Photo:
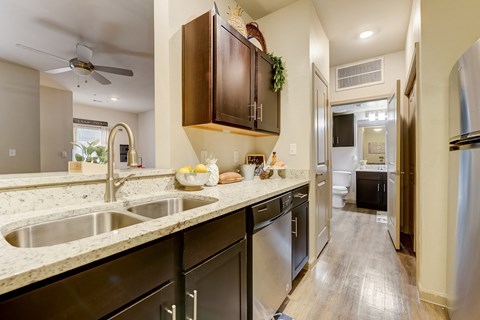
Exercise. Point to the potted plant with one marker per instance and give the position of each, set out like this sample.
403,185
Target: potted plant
279,72
92,158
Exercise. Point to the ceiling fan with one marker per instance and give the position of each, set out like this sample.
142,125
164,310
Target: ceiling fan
81,64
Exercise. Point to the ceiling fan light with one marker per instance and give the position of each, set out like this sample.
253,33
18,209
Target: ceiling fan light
81,71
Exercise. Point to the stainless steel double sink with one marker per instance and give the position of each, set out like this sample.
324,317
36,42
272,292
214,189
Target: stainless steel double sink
87,225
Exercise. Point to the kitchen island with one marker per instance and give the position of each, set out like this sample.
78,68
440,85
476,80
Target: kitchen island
20,267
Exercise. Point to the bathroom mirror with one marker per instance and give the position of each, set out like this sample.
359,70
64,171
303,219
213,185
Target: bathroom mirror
373,144
37,108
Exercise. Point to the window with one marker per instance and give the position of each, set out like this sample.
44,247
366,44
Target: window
83,134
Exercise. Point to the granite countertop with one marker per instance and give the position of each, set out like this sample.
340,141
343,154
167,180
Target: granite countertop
22,266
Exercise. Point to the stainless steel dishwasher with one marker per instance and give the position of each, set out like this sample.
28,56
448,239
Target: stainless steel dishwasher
270,255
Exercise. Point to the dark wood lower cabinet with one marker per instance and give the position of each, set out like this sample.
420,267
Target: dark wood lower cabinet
299,238
99,290
219,286
159,305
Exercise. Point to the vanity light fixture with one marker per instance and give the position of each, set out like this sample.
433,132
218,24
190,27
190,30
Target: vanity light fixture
381,115
377,129
366,34
371,116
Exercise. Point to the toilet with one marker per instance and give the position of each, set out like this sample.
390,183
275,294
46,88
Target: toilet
341,182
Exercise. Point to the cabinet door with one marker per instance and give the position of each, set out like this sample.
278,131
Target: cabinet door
383,203
368,194
234,77
218,287
343,131
299,238
159,305
268,101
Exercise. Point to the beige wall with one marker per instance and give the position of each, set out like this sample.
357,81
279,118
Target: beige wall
296,94
394,64
19,119
307,43
56,133
112,117
146,138
175,145
441,44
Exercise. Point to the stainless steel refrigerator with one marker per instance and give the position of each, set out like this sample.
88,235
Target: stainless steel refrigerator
463,245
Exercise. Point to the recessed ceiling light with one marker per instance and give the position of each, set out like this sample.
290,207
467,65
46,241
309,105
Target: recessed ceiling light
366,34
114,99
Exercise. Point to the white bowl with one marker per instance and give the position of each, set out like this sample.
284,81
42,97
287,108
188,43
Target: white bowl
192,180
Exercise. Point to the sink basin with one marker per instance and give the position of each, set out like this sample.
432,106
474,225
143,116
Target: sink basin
69,229
167,207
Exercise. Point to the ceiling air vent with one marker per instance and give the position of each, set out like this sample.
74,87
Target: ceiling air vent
359,74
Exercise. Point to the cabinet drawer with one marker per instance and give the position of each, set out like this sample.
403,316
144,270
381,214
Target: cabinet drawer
365,175
300,195
210,238
98,291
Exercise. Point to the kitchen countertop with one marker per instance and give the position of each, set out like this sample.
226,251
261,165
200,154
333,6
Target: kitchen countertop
22,266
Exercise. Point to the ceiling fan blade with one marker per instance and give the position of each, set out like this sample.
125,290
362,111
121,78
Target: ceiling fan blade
119,71
84,53
58,70
41,52
97,76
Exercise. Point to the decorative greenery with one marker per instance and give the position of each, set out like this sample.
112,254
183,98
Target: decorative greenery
279,72
91,152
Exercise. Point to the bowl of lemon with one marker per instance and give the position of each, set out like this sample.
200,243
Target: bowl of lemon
193,178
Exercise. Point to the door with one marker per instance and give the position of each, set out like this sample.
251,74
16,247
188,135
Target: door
234,77
394,166
322,189
217,288
411,162
268,101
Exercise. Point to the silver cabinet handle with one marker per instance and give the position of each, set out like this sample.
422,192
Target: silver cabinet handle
300,195
384,186
173,312
337,140
296,227
378,186
194,297
253,112
321,184
261,113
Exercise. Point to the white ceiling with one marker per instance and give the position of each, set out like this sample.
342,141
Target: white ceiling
120,32
343,20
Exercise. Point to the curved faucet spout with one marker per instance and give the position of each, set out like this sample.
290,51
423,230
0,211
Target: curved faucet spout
111,187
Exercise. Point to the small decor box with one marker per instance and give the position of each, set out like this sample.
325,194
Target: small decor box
87,167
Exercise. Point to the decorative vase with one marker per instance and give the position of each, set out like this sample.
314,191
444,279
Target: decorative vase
236,20
214,172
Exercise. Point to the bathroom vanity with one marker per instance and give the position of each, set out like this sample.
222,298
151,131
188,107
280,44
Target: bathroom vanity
372,189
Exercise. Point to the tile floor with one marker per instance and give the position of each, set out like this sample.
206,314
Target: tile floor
359,275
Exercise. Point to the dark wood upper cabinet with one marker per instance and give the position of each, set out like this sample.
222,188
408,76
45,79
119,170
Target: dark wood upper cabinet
267,100
234,78
227,85
343,131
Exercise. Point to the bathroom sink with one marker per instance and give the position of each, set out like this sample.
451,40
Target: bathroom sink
169,206
69,229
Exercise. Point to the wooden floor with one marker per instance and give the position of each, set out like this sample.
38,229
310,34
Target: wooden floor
359,275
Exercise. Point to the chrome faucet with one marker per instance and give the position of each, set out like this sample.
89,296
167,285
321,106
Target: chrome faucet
112,186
